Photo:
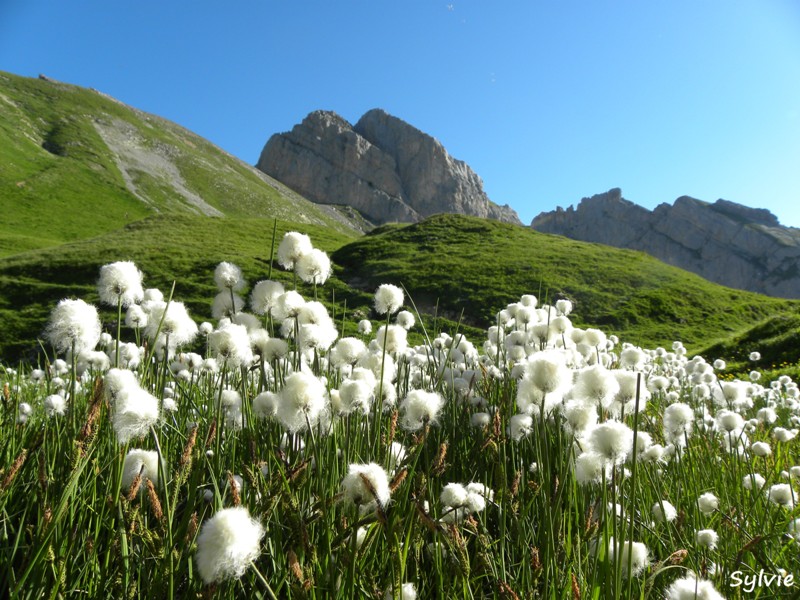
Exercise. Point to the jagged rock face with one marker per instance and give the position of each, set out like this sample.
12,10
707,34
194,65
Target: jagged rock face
383,167
724,242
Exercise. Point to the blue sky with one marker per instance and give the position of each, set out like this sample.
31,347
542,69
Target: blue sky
548,101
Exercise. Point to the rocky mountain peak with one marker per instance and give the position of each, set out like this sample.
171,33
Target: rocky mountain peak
383,167
725,242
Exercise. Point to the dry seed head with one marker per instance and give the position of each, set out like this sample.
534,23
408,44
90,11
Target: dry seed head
186,457
536,562
234,486
294,566
506,591
576,590
515,484
133,491
677,557
212,433
398,479
191,530
155,503
13,470
439,464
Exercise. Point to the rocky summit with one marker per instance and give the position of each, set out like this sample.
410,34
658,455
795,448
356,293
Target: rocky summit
725,242
383,167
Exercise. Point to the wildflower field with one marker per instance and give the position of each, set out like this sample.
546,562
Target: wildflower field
291,449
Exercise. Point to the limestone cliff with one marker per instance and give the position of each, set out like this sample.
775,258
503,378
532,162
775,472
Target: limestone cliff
724,242
382,166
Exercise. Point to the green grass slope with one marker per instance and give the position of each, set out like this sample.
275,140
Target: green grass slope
477,266
77,163
183,249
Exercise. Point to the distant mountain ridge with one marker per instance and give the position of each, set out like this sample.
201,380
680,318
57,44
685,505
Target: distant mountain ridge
383,167
725,242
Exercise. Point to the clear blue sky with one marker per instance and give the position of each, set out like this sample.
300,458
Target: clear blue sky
548,101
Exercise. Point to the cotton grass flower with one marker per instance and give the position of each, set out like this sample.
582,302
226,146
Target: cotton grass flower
302,399
366,483
664,512
420,407
314,267
135,411
171,322
707,503
706,538
227,543
228,276
754,481
405,319
782,494
231,346
264,295
120,283
692,588
292,247
407,592
635,553
388,299
55,405
73,326
613,440
144,462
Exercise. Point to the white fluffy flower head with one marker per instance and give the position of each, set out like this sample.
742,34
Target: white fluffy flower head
388,299
120,282
228,542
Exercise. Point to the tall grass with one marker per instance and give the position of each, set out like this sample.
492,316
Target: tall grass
69,529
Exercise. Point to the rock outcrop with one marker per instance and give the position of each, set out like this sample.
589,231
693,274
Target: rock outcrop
724,242
382,166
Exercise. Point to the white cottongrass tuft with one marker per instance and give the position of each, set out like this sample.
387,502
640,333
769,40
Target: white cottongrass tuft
707,503
366,483
405,319
293,246
135,411
73,326
55,404
407,592
228,276
613,440
365,327
388,299
302,399
120,282
139,461
264,295
547,370
664,512
678,422
782,494
707,538
228,542
754,481
634,552
760,449
231,345
691,588
170,322
520,426
314,267
420,407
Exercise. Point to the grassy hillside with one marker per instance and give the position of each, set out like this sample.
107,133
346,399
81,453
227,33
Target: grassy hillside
449,264
77,163
180,248
478,266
